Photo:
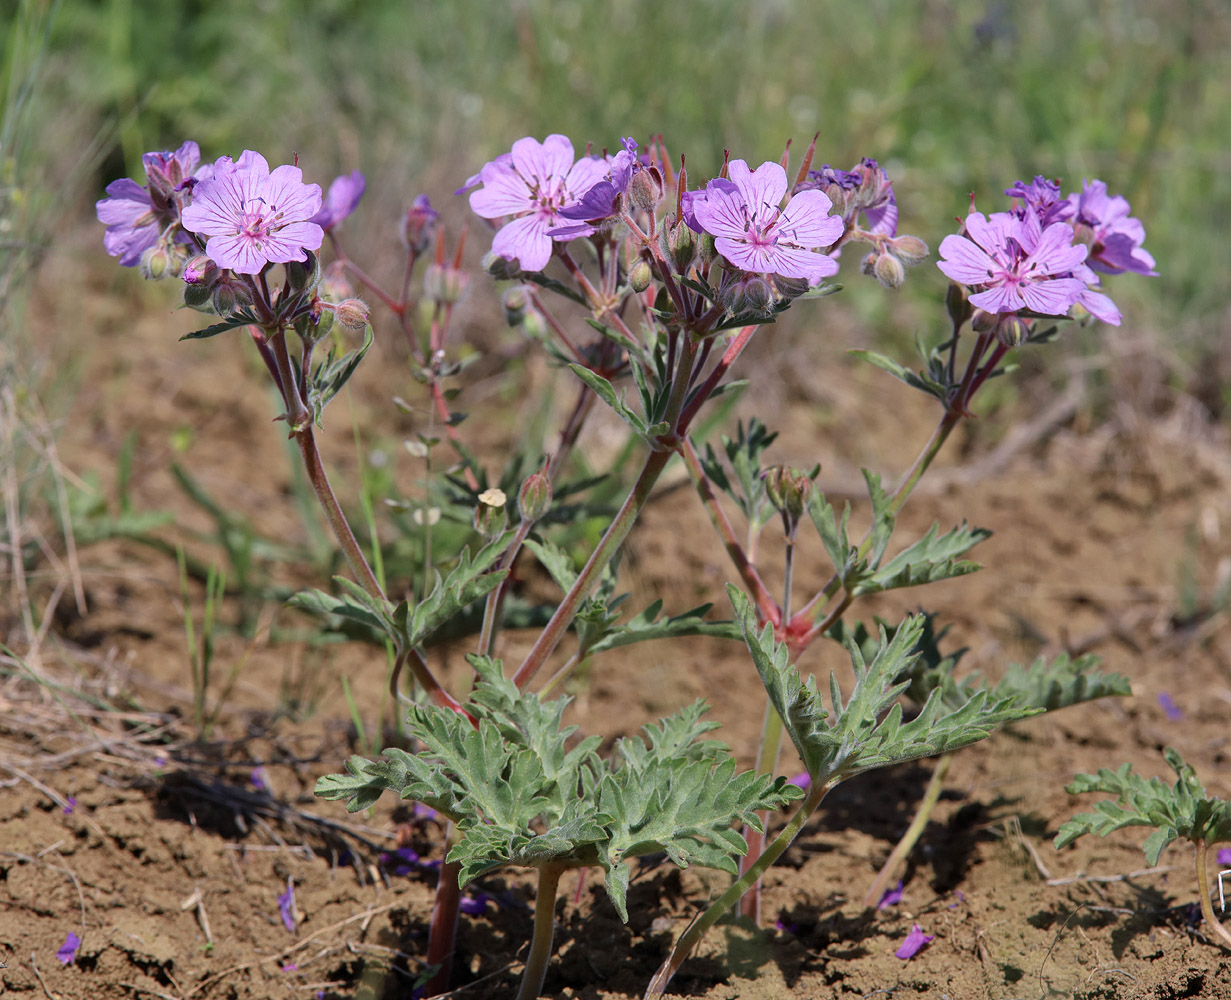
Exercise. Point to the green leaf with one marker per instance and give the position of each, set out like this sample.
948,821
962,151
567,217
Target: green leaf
557,562
237,320
471,579
647,625
331,375
606,392
930,559
1184,809
348,606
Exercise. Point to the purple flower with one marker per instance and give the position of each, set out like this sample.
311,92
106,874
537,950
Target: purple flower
891,897
914,942
257,778
419,225
69,805
600,201
286,906
253,217
784,924
1042,197
1115,237
1015,264
68,950
474,906
530,185
864,188
755,234
801,780
290,967
1169,706
1224,856
403,861
343,195
136,217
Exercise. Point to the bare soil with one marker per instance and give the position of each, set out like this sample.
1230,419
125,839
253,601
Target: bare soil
170,864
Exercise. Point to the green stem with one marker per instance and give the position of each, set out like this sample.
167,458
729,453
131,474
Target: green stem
913,832
691,937
1203,889
767,763
544,929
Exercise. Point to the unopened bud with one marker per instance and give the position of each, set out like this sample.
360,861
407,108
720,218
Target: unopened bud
444,283
983,321
908,249
750,294
155,262
198,297
499,268
888,270
788,489
790,288
200,270
490,516
301,274
419,225
534,497
681,246
957,304
645,190
516,302
1012,330
706,250
224,299
640,275
352,313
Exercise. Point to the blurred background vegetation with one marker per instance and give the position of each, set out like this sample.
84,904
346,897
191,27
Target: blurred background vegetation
953,97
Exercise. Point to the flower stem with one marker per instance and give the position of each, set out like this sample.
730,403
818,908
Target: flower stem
544,930
443,933
913,832
1203,891
691,937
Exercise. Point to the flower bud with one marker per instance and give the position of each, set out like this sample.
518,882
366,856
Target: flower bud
352,313
640,275
200,270
788,490
499,268
1012,330
983,321
490,516
516,303
752,293
681,246
888,270
645,190
301,274
155,262
706,249
957,305
790,288
444,283
224,299
909,250
534,497
419,225
198,297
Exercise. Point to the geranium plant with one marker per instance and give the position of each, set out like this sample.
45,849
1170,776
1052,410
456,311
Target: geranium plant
649,289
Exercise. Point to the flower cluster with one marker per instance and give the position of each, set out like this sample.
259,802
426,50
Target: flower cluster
1041,256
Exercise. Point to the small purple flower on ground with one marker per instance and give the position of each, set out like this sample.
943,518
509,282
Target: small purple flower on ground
784,924
70,804
1223,856
290,967
253,217
474,905
1114,235
403,861
1170,707
530,185
754,234
1015,265
961,898
913,944
257,778
135,216
286,906
340,200
891,897
68,950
